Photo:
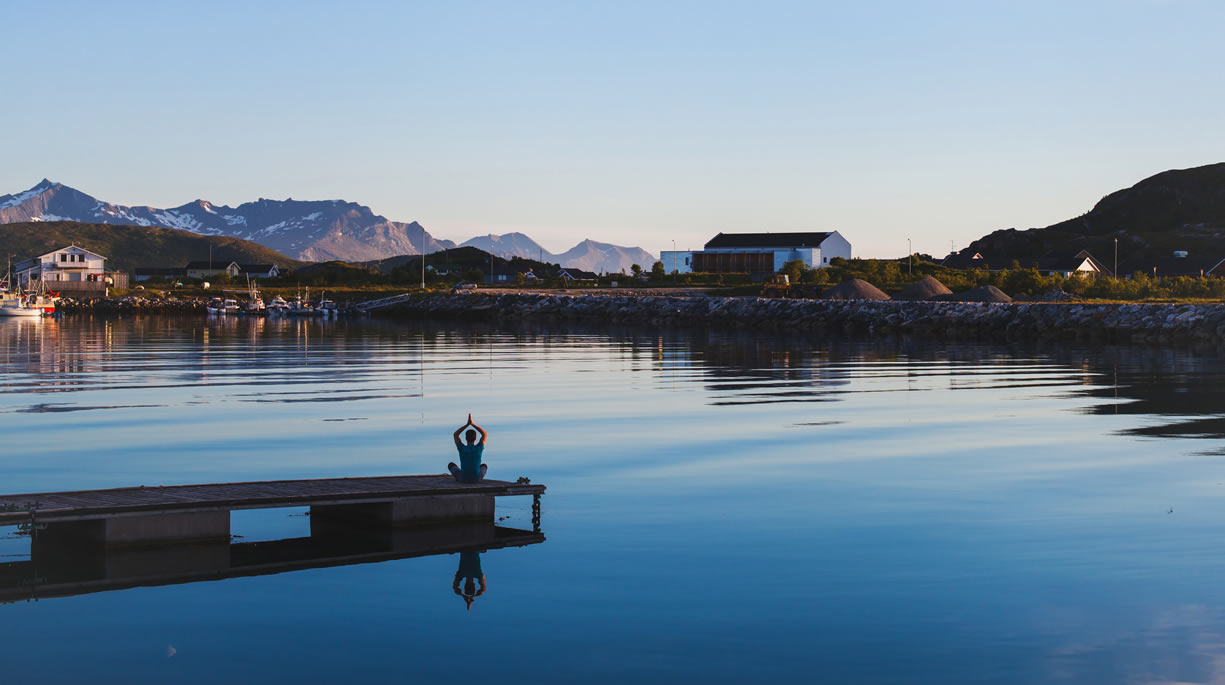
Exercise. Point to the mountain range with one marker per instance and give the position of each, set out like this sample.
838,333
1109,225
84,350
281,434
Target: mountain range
587,255
313,230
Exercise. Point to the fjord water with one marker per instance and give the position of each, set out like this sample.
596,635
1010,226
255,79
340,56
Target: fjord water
722,506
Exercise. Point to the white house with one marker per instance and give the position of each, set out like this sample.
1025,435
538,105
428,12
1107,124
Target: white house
68,265
758,252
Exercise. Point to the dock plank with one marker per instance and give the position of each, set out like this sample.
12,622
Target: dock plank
84,504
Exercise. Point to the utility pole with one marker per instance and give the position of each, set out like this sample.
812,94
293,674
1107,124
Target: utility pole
423,259
1116,256
909,258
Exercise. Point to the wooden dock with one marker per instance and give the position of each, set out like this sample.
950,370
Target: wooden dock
80,505
194,513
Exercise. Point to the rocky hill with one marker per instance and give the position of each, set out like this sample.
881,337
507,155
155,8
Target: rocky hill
1182,209
128,247
305,230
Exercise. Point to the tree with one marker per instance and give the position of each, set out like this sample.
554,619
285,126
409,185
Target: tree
636,270
474,275
657,270
794,269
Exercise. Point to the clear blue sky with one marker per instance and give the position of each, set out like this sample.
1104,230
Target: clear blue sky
630,122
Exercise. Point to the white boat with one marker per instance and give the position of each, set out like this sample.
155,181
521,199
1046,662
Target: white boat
217,306
299,306
40,301
326,307
278,306
19,305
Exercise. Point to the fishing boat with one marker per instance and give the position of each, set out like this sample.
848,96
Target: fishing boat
37,302
300,306
326,307
255,303
12,304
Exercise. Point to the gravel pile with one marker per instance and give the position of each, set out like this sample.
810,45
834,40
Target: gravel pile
926,289
854,289
983,293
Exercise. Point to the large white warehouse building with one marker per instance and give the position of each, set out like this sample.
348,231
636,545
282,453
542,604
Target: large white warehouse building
757,253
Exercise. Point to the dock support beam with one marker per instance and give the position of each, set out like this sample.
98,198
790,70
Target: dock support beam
409,511
154,529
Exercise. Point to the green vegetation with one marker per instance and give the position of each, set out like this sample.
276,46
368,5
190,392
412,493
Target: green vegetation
890,276
129,247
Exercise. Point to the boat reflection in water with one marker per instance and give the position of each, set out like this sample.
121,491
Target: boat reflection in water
63,563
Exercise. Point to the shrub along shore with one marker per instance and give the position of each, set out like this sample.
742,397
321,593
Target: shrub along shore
1076,321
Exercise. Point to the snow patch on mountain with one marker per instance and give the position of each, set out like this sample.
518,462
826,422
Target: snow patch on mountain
14,200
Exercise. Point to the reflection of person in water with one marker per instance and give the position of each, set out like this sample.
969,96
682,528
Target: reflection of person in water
470,469
470,573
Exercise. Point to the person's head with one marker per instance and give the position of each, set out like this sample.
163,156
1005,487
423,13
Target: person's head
471,435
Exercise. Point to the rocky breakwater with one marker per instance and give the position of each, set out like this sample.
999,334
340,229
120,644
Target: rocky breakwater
1146,323
132,304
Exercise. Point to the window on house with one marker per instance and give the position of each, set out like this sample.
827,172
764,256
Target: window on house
825,260
63,258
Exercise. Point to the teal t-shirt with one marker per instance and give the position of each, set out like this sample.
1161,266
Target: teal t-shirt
470,461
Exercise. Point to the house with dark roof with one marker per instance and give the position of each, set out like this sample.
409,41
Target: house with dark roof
144,273
1080,264
758,253
1055,263
210,268
570,275
260,270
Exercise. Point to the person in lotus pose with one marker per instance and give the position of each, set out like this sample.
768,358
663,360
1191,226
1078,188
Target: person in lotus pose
470,469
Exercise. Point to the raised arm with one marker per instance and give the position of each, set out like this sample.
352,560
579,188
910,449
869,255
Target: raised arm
460,430
480,430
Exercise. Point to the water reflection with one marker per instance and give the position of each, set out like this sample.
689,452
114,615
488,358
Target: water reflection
285,360
63,563
470,575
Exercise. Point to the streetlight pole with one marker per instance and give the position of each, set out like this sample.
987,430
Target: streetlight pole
1116,256
909,258
423,259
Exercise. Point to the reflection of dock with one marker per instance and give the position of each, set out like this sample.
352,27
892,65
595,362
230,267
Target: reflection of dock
96,540
184,513
65,567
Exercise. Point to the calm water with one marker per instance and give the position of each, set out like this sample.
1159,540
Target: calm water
722,507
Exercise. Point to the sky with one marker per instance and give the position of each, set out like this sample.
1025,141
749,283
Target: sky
635,123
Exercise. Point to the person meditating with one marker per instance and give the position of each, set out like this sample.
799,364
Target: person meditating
470,469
